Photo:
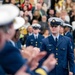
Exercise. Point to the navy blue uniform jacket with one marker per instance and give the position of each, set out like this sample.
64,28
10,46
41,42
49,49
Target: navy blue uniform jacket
63,52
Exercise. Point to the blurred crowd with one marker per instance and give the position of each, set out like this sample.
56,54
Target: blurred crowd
41,11
37,14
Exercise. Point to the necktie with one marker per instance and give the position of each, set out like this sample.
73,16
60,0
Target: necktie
56,41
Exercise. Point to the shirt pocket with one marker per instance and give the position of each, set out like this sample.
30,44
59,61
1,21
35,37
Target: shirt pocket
31,41
40,43
63,51
50,48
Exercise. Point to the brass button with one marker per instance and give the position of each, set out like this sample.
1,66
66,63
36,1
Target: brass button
36,42
49,49
57,59
56,63
56,48
56,53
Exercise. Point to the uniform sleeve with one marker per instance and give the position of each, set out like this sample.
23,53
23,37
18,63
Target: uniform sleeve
12,60
43,46
28,41
71,56
71,39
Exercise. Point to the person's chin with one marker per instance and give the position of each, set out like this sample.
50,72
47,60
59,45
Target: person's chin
54,32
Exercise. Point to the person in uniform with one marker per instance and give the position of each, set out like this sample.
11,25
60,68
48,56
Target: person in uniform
10,57
62,28
67,30
61,47
2,37
19,22
35,39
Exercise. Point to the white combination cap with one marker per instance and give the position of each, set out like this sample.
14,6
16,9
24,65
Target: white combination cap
55,21
8,12
36,26
67,25
18,22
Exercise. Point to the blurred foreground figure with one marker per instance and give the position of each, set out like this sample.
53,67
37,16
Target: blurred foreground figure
19,22
35,39
11,60
29,32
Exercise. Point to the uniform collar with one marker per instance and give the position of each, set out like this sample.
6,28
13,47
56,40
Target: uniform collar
30,34
12,42
54,37
36,35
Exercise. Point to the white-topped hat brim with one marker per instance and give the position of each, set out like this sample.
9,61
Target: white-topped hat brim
68,25
56,19
36,25
18,23
8,12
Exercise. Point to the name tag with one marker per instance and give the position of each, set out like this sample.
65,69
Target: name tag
50,45
63,49
31,40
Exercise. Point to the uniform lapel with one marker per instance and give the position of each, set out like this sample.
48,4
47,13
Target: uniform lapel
38,36
59,40
51,39
33,36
